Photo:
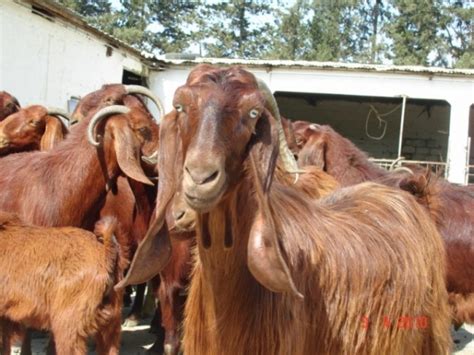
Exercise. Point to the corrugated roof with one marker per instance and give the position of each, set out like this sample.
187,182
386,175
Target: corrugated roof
323,65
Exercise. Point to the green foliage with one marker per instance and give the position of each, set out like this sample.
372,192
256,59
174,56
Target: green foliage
291,32
237,28
414,31
88,7
424,32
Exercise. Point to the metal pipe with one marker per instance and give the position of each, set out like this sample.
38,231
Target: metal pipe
402,122
468,160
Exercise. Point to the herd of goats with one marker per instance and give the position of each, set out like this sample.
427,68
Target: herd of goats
260,235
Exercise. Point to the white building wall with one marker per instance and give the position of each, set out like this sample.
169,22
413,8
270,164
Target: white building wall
458,91
47,62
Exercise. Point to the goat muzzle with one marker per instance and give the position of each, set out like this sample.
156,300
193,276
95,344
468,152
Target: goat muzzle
203,183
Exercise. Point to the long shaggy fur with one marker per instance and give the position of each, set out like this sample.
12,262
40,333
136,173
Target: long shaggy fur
365,253
451,207
352,259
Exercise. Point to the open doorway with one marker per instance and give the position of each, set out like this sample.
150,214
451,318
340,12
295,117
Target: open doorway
130,78
373,123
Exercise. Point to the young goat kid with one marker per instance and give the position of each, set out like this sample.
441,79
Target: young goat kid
61,279
277,272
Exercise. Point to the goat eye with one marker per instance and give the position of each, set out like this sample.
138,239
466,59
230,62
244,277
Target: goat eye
179,108
253,113
145,132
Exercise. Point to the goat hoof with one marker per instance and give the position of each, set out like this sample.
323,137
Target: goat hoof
130,322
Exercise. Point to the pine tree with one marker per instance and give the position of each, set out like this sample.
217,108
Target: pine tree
458,33
291,35
236,29
88,7
414,31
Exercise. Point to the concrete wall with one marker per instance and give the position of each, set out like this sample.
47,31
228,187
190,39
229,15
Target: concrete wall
47,62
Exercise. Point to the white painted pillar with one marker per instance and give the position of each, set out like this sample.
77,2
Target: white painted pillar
458,139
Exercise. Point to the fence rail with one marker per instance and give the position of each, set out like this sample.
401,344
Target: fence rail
438,167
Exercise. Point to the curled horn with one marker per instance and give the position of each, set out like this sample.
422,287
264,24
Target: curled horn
137,89
286,156
99,116
395,163
61,114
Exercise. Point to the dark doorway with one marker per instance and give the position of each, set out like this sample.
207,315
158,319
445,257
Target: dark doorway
373,123
130,78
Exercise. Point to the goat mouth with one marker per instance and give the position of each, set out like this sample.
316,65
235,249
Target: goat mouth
203,204
185,226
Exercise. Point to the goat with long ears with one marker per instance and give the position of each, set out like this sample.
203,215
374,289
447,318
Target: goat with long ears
65,185
33,128
276,271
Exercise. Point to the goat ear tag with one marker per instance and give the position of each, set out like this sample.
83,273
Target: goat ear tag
265,261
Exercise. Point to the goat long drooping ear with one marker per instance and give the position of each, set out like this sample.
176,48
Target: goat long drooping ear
154,251
314,153
56,125
53,133
125,143
264,256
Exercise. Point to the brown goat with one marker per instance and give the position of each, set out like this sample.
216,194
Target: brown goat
132,203
67,185
8,105
323,147
61,279
138,199
46,195
131,206
31,128
277,272
451,207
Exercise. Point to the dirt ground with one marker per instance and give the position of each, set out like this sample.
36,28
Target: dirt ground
136,341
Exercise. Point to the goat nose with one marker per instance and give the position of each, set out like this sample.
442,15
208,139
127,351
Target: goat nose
202,175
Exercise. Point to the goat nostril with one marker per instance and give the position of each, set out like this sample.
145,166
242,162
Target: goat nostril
210,177
201,176
179,215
